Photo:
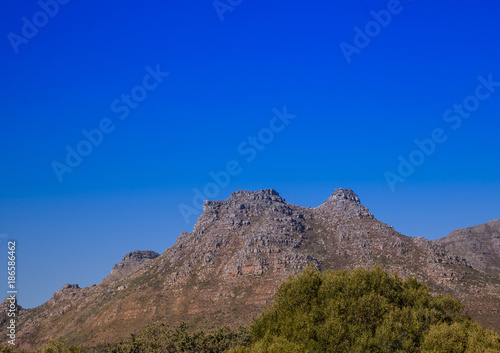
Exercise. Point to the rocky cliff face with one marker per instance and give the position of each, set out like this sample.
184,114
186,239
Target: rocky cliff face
227,269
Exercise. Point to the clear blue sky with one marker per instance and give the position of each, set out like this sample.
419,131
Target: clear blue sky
80,67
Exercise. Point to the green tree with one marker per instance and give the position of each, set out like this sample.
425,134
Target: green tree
460,337
363,311
59,345
159,338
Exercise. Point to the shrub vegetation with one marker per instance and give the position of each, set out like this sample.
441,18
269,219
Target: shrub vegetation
364,311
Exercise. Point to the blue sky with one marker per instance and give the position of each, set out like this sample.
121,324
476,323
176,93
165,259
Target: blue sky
73,66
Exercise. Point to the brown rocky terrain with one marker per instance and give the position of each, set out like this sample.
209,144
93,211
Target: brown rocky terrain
227,269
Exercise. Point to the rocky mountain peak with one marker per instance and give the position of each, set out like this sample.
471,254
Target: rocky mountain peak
346,203
344,194
242,199
259,194
243,196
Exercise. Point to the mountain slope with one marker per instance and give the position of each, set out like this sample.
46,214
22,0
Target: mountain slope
480,244
227,269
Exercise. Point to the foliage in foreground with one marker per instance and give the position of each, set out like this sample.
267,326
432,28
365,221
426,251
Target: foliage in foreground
358,311
364,311
160,338
57,345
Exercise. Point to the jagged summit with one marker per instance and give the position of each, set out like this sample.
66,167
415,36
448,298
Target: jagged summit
343,194
339,197
258,193
346,203
239,199
342,203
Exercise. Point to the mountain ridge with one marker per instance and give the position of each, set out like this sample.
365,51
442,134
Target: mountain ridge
227,269
481,244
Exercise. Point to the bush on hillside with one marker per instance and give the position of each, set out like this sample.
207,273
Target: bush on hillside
159,338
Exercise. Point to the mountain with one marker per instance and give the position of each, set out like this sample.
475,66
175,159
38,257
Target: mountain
479,244
227,269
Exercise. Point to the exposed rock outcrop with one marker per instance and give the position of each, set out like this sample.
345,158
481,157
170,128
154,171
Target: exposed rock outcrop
130,263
